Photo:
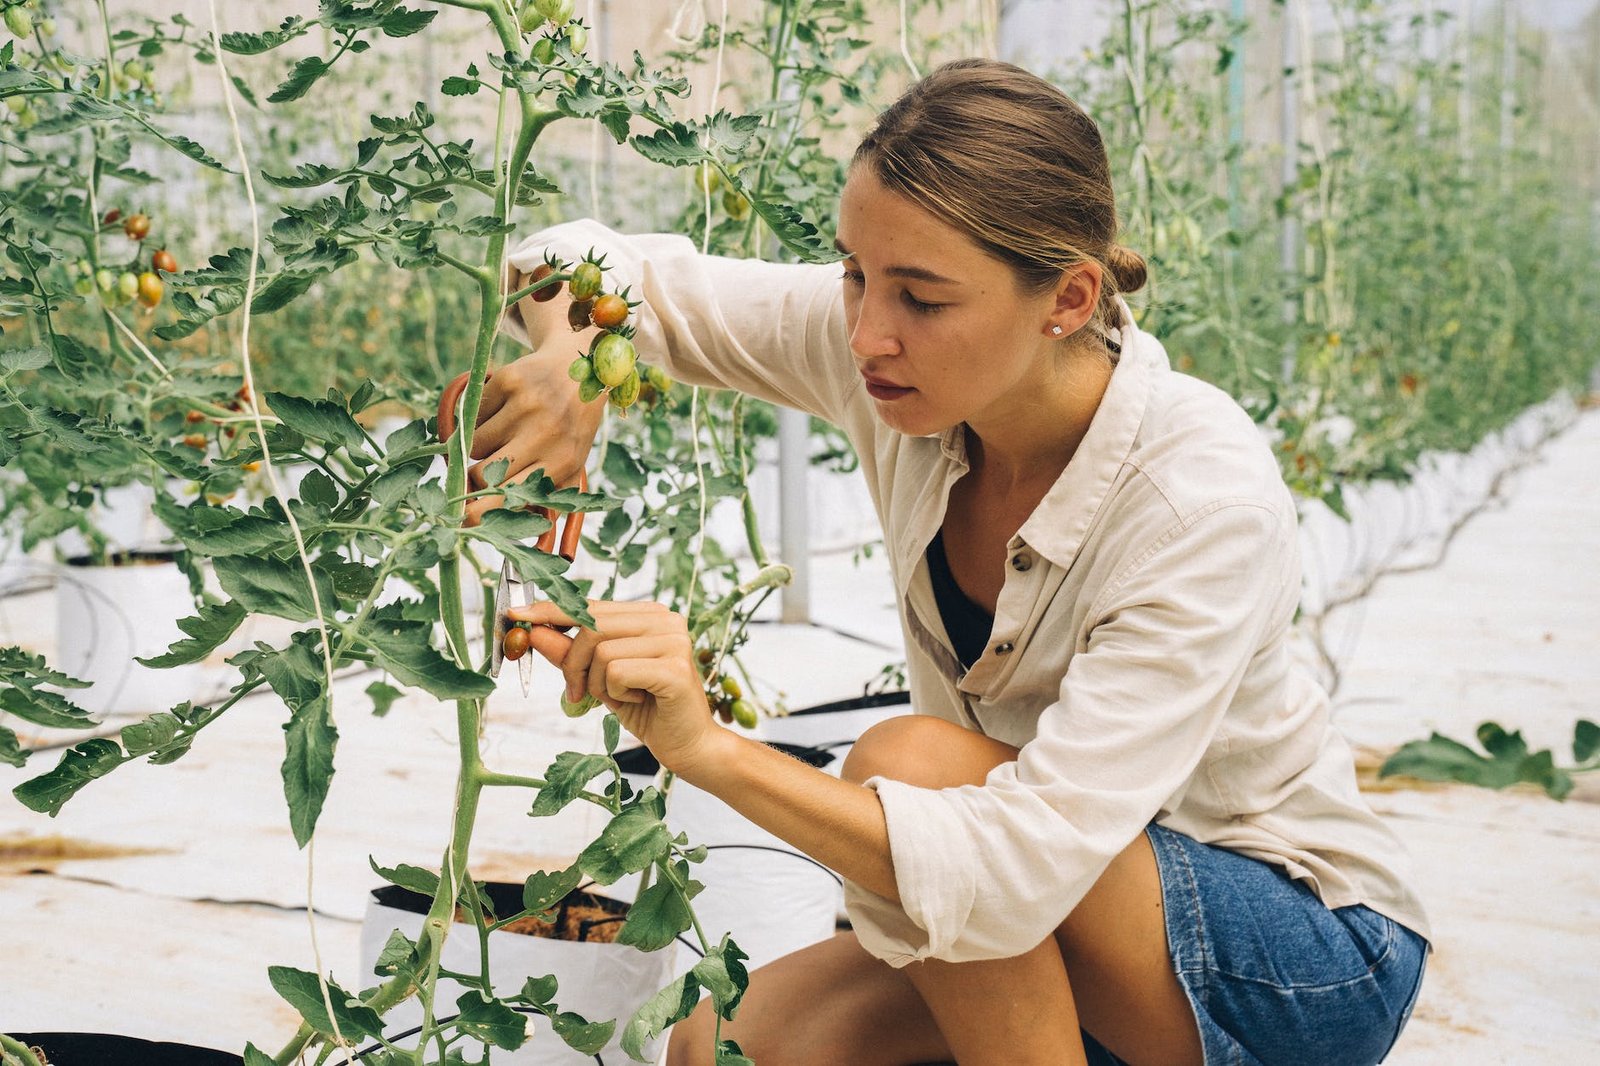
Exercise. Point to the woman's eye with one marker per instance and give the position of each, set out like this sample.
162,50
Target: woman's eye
855,277
921,308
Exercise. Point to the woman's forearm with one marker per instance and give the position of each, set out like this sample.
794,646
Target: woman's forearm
838,823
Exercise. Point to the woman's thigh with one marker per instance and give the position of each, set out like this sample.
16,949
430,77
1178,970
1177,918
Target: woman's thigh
829,1003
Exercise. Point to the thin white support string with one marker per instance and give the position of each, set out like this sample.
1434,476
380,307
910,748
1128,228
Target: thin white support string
252,401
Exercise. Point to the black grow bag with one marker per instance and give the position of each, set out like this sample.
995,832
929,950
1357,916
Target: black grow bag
640,762
103,1049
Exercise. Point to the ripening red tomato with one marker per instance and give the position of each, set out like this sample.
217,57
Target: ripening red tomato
164,261
610,311
136,227
150,289
540,272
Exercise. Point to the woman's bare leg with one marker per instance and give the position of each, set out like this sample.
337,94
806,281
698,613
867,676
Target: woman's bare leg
1107,968
831,1003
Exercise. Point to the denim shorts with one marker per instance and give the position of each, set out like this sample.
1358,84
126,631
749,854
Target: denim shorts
1276,978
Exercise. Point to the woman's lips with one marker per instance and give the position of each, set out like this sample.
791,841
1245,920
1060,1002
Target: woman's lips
885,392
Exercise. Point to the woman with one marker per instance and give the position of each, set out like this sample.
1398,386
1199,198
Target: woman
1121,827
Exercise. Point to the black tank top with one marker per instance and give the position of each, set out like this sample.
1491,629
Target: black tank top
968,624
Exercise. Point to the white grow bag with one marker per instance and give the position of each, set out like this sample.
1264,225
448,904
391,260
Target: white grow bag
596,980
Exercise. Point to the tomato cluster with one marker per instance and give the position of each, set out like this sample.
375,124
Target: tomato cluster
708,180
611,365
724,694
137,280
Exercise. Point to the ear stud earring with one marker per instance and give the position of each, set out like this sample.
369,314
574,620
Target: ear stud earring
1055,331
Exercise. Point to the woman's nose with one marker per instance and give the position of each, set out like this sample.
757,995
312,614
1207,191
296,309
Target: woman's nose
872,333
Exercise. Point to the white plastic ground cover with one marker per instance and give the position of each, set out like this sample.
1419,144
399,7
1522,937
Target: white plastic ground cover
598,981
1395,525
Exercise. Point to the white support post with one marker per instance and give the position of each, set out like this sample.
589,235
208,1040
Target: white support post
1288,234
794,509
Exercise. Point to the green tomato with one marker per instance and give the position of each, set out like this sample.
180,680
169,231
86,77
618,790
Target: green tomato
580,708
104,279
544,50
744,713
586,281
735,204
707,178
83,286
557,11
614,357
589,389
577,36
730,685
626,394
128,286
580,369
47,27
17,104
19,22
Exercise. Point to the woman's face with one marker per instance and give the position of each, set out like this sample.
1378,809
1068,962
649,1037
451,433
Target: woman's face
931,312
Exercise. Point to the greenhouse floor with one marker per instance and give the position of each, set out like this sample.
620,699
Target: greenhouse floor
153,905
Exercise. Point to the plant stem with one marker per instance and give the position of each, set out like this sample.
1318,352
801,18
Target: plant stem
13,1047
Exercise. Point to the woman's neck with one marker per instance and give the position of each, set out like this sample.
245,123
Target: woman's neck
1027,446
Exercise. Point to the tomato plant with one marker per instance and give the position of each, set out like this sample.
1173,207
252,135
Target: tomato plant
319,552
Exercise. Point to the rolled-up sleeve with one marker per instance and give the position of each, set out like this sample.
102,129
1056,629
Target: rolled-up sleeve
989,871
774,331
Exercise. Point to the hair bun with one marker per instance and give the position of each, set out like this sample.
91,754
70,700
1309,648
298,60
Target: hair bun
1127,267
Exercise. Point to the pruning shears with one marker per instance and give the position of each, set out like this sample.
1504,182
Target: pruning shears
511,584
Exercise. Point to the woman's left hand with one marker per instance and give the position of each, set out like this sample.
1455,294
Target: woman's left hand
639,663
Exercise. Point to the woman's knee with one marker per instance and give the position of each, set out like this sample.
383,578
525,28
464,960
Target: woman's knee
924,751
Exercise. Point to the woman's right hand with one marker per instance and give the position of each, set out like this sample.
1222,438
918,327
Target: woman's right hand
531,416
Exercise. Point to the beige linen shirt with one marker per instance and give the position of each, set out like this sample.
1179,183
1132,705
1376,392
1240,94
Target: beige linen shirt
1139,656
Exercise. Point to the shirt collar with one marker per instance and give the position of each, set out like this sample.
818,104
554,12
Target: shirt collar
1057,527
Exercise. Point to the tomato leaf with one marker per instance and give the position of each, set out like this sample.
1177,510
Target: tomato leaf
659,1013
307,176
271,586
537,991
722,973
250,44
412,878
491,1021
254,1056
631,841
214,624
399,956
89,761
300,80
319,420
402,22
159,736
1585,740
11,751
310,739
659,914
544,889
581,1035
383,696
403,650
303,992
45,708
565,779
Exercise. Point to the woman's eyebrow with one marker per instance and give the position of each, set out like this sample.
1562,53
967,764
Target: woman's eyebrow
914,273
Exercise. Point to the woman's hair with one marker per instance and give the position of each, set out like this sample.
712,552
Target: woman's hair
1009,160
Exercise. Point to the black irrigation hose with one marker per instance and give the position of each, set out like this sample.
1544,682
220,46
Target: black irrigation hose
780,851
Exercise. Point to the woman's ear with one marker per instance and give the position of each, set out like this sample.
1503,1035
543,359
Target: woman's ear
1077,297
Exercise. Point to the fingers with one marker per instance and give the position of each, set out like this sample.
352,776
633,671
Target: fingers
577,659
605,680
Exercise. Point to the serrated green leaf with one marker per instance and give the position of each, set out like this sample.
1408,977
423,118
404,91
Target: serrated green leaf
303,992
459,86
412,878
402,22
580,1034
544,889
383,696
310,739
631,841
659,1013
214,624
539,990
490,1021
11,750
272,586
318,420
659,915
300,80
254,1056
1585,740
399,956
42,707
87,762
283,290
153,735
403,649
250,44
306,176
565,779
721,972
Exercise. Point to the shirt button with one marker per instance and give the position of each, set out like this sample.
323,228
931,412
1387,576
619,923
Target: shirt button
1022,561
1004,648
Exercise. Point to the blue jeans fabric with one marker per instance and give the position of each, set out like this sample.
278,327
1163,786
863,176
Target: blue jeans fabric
1276,978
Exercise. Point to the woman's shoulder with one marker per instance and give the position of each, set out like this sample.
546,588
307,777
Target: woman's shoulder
1201,446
